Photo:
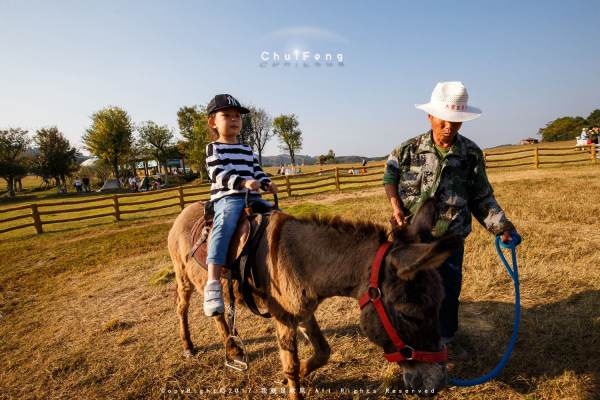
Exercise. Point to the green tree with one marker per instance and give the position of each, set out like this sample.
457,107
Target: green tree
158,141
593,120
14,143
137,152
565,128
330,155
110,137
286,128
323,158
193,126
56,158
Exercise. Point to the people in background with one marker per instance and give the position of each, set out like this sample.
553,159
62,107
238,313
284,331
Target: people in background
86,184
133,183
78,185
145,186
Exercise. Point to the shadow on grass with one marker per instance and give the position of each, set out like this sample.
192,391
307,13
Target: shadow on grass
553,339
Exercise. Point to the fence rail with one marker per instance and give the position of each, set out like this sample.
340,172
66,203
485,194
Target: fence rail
543,156
335,178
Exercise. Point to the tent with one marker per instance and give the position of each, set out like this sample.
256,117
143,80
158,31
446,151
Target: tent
110,184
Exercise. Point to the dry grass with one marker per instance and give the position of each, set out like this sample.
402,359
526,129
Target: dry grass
79,316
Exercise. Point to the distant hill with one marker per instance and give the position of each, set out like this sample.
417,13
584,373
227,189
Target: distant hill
269,161
34,152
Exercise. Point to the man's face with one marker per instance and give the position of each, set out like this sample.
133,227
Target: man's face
228,122
444,129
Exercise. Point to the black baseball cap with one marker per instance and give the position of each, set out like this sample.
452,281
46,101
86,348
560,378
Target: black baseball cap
223,101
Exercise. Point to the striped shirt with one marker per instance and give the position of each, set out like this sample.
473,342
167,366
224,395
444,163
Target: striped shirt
229,165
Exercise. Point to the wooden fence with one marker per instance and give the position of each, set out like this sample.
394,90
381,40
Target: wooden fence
118,206
331,179
537,156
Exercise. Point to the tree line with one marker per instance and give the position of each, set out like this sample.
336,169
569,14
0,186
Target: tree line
568,128
119,143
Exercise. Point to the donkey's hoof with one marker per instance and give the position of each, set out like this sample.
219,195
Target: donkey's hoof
283,381
189,353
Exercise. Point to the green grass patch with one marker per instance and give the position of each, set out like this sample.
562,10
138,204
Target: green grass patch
305,209
162,277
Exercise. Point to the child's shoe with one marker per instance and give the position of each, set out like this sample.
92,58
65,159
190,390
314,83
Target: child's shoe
213,299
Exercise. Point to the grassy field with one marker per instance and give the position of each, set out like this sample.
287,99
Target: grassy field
82,313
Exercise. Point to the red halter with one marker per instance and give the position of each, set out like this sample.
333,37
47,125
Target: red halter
373,295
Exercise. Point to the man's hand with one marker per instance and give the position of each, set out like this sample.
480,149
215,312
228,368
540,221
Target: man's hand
252,184
272,188
398,218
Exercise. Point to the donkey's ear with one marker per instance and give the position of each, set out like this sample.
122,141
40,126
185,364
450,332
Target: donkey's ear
422,223
408,260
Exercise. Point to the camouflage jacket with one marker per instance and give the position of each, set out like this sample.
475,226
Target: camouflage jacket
457,180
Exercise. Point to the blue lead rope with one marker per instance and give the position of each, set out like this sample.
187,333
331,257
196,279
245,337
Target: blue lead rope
514,274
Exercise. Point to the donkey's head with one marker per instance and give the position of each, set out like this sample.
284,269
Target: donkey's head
412,292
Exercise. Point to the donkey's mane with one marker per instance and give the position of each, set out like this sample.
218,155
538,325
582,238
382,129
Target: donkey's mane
361,229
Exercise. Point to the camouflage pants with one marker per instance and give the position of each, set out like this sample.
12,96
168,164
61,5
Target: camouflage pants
451,273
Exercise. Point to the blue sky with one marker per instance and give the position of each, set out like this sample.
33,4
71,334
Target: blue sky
524,63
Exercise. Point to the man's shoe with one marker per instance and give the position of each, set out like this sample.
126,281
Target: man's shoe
213,299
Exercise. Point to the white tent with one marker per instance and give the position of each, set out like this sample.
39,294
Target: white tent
89,162
110,184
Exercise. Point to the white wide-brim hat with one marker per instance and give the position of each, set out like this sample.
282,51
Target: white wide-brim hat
449,101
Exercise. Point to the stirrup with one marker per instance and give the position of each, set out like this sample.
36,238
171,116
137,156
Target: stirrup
238,365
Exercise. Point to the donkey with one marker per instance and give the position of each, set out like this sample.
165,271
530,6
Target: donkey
302,261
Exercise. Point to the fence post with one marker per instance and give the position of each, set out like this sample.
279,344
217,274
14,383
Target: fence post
116,207
287,185
593,151
181,202
337,179
37,222
536,157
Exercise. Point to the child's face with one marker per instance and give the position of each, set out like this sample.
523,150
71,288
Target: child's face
227,122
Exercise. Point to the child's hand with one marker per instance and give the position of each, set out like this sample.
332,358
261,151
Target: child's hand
252,184
272,188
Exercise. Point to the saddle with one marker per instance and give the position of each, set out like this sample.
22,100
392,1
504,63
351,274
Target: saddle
242,247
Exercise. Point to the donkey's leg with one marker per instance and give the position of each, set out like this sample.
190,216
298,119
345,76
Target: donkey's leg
232,349
184,292
288,351
321,348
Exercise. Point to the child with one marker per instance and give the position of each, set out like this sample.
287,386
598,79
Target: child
232,169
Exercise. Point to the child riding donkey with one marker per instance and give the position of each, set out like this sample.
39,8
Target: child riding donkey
233,170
